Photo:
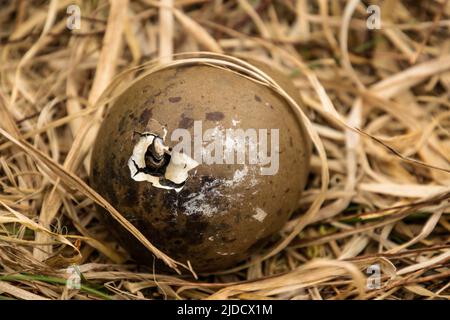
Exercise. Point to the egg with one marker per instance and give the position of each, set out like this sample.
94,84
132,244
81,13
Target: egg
207,163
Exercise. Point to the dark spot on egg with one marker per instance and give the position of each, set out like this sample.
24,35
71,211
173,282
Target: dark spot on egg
215,116
185,122
174,99
121,125
145,116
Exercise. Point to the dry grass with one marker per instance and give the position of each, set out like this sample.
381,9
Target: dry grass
379,111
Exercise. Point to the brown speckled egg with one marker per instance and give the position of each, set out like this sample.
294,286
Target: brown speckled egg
186,202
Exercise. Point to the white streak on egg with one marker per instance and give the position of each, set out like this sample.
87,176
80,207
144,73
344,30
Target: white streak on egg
260,215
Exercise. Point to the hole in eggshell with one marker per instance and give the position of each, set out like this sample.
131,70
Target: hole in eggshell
152,161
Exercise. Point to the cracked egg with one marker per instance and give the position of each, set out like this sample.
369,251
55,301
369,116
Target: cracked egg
207,163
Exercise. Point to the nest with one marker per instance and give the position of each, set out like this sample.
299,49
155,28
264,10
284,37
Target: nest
373,222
